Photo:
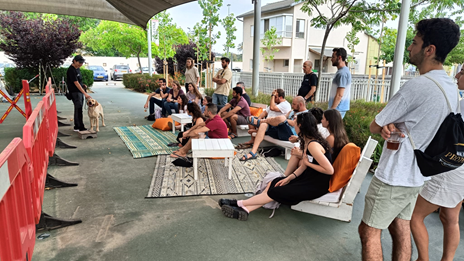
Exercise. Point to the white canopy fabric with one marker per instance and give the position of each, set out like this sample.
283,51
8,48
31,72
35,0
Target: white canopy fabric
136,12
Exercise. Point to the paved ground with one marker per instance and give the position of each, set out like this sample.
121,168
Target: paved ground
120,224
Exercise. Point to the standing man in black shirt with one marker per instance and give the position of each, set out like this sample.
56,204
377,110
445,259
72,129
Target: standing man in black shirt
76,88
308,86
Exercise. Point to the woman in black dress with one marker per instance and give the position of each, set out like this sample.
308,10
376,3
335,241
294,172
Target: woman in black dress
197,119
307,175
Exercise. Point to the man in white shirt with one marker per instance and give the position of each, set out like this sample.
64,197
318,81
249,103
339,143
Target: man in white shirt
419,108
268,122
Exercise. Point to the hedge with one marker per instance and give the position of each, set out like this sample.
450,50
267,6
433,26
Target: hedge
14,77
141,82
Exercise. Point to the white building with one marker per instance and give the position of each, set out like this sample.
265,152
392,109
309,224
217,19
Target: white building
299,41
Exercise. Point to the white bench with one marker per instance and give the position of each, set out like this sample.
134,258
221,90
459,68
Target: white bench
208,148
339,204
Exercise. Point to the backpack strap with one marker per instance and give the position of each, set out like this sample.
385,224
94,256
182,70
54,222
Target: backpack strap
444,93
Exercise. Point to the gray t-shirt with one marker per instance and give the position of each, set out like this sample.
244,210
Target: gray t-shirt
420,107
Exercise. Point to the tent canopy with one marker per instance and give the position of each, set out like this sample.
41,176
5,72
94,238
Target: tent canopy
136,12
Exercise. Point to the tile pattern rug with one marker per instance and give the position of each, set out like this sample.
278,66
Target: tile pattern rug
171,181
145,141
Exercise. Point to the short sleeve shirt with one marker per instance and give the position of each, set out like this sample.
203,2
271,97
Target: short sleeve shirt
191,75
73,75
224,89
284,109
165,91
309,80
245,109
247,98
342,80
217,128
420,108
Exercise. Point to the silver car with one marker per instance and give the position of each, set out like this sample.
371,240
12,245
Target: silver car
118,70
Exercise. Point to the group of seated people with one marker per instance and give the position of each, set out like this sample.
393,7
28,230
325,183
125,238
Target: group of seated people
321,136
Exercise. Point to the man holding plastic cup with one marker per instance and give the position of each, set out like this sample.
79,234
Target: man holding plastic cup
417,109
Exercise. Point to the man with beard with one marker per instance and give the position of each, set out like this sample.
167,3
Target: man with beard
341,85
417,110
308,86
222,79
238,114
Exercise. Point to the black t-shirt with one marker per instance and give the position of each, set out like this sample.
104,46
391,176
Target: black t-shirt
308,81
247,98
73,75
158,91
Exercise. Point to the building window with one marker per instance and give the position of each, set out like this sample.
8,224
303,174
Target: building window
300,28
252,31
317,64
282,23
286,63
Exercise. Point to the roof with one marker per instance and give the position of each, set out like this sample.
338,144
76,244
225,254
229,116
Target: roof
272,7
137,12
327,51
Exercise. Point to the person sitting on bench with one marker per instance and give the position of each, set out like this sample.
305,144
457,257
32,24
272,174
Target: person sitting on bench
157,97
307,176
197,118
280,127
332,120
238,114
214,127
206,100
317,113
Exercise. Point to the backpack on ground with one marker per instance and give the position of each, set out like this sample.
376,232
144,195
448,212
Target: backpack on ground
261,186
446,150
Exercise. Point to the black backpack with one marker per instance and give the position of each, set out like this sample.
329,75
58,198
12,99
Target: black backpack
446,151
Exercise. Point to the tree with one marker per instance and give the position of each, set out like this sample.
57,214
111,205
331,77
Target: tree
36,42
389,44
456,56
128,40
269,42
363,14
229,25
183,51
353,40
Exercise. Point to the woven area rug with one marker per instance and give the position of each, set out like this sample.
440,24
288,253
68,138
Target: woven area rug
145,141
171,181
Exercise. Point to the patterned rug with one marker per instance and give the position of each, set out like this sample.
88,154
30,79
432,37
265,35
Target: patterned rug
145,141
171,181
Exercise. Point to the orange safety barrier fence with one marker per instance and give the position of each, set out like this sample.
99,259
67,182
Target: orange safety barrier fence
52,118
17,224
35,138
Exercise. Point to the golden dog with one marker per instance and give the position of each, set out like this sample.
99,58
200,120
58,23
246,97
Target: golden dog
95,111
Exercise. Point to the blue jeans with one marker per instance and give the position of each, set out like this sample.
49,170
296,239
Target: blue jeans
220,99
168,106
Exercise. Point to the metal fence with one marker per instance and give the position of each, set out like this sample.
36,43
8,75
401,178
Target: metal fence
361,86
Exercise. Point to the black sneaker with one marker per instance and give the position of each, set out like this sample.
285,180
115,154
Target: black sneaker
83,129
230,202
234,212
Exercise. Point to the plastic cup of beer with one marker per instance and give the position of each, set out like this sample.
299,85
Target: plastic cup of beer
393,143
202,135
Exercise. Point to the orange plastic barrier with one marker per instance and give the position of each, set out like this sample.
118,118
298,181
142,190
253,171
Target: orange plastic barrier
35,138
17,224
27,98
52,120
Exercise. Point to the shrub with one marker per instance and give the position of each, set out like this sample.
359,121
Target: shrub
357,124
141,82
14,77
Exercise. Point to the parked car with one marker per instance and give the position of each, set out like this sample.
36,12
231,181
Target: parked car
118,70
236,69
3,66
145,70
99,73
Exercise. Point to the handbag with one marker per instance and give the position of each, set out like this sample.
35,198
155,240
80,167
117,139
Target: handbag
446,150
68,95
183,162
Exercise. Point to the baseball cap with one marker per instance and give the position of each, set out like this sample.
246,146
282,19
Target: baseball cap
79,58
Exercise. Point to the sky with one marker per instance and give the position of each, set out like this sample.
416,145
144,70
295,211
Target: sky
187,15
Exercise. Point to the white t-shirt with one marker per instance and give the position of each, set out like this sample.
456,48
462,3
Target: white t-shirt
323,131
420,107
284,108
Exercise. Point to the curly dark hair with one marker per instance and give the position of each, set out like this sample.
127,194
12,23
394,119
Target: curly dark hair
317,113
185,101
195,110
308,129
443,33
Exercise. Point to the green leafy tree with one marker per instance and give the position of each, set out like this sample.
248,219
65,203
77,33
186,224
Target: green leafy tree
229,25
211,20
353,40
269,42
169,36
363,14
128,40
